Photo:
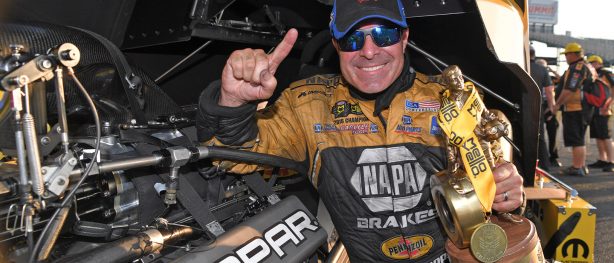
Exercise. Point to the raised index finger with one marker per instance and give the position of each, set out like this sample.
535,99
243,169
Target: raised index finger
282,50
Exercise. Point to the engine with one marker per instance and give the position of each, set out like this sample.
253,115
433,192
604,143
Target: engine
100,165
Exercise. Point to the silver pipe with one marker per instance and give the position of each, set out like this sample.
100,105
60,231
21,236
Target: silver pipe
571,192
19,143
122,164
61,104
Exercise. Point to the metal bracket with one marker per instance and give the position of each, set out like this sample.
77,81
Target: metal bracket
56,179
215,228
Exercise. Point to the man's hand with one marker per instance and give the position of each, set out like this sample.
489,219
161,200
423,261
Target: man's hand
249,74
508,181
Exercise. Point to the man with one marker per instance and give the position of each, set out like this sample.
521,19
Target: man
370,136
540,75
575,123
600,128
551,120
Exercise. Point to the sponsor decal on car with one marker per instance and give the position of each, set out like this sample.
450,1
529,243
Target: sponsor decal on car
412,247
343,108
422,106
273,240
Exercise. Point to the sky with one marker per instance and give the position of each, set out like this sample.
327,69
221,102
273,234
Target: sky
586,18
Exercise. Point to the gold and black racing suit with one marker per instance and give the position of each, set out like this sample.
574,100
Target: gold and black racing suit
371,170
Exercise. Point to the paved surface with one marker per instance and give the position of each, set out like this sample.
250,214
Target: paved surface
598,189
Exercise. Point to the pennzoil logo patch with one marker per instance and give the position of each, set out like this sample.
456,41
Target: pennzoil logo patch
411,247
343,109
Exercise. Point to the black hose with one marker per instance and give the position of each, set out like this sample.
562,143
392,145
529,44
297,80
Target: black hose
251,157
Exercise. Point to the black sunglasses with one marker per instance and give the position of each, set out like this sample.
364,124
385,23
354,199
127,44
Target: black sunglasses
382,36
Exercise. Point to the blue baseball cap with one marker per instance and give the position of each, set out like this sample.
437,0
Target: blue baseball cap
347,13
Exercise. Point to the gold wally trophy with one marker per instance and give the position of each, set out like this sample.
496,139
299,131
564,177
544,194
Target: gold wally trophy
463,194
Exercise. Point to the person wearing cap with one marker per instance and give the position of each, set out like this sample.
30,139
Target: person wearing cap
540,75
575,122
600,126
369,136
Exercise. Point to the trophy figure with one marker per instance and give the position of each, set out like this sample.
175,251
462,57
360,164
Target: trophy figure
464,192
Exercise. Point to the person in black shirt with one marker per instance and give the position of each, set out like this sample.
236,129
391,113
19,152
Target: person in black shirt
551,120
540,74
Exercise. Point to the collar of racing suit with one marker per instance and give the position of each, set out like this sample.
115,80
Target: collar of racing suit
384,98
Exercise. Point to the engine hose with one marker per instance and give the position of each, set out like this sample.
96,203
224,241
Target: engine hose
251,157
130,248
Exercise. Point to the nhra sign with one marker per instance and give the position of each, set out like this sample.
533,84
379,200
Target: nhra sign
543,11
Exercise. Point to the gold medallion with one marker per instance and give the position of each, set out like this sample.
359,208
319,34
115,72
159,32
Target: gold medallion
488,242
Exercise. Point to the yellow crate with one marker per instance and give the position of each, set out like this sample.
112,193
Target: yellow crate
578,244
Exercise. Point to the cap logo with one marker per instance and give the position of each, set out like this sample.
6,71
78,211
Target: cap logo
364,1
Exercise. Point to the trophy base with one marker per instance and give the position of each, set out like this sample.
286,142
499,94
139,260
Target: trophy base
523,244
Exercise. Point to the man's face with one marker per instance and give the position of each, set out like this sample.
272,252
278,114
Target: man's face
571,57
372,69
596,65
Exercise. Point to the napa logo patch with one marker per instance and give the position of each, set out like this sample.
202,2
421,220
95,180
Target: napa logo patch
412,247
343,108
422,106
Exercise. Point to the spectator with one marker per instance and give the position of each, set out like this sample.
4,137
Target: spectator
540,75
600,130
574,120
551,120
